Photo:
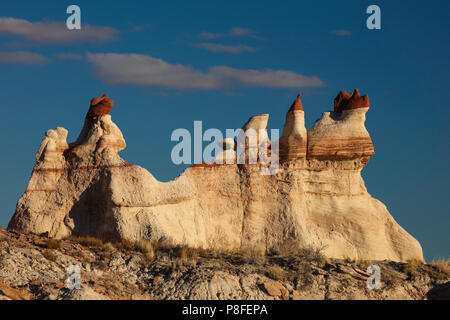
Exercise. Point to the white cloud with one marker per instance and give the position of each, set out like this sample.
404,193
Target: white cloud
55,32
143,70
341,32
215,47
209,35
239,32
21,57
234,32
69,56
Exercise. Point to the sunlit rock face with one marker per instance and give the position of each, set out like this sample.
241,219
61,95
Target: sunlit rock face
341,135
317,196
253,139
228,155
292,143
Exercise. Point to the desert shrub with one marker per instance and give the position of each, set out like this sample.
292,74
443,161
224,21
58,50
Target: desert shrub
49,255
202,252
363,263
125,244
53,244
288,248
276,272
88,241
312,255
157,245
147,248
411,268
390,278
255,254
179,264
186,255
442,265
109,247
347,259
144,246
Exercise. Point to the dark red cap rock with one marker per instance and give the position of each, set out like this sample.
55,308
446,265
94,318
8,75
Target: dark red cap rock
297,104
100,106
347,101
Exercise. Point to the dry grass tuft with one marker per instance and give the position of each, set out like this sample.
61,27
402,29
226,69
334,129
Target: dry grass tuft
109,247
347,259
125,245
363,263
53,244
276,273
49,255
88,241
411,268
186,256
313,255
442,264
148,250
287,249
255,254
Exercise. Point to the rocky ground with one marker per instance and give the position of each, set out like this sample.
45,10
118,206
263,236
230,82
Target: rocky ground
34,267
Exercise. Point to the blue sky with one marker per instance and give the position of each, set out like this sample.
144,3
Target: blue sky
199,58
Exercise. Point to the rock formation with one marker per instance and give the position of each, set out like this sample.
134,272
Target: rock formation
253,139
346,101
341,135
100,106
317,198
292,144
228,155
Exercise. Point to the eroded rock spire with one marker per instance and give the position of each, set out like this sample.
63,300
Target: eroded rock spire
297,104
100,106
293,140
347,101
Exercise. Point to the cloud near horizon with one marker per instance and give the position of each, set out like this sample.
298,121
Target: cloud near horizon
22,57
147,71
55,32
216,47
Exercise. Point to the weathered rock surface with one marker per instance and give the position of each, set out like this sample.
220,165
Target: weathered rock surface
341,135
34,267
100,106
228,155
292,144
346,101
253,139
86,189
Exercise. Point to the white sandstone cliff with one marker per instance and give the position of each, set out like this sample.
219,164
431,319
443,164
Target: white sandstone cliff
318,198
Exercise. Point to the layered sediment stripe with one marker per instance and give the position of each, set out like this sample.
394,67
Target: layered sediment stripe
81,168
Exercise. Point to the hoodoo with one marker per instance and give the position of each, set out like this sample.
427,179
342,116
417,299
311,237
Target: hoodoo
293,141
317,196
341,135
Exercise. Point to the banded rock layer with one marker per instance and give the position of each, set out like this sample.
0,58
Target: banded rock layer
317,196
